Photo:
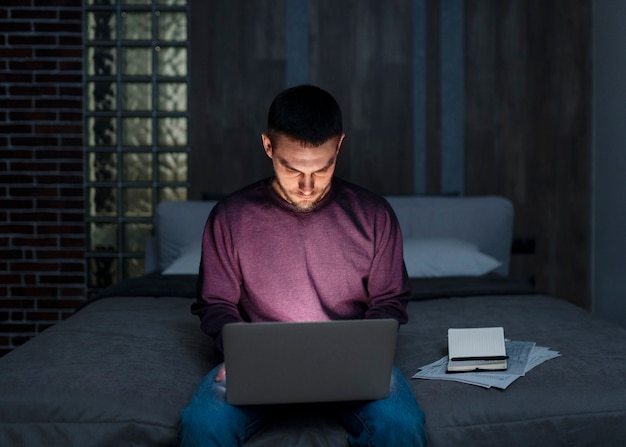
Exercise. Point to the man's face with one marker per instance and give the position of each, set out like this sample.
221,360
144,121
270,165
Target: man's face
302,173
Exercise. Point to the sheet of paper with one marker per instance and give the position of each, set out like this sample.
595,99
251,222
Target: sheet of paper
523,356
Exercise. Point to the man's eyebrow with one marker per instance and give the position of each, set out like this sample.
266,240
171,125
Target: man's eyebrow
286,164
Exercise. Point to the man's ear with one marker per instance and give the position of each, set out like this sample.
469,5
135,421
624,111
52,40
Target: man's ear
343,135
267,144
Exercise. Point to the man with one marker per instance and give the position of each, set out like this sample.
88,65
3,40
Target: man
301,246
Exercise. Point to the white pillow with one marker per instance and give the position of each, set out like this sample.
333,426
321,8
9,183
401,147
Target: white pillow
429,257
187,262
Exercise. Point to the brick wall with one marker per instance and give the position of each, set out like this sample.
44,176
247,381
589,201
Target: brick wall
42,234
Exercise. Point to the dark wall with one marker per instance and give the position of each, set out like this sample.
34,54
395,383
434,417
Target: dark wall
526,107
360,51
528,130
42,234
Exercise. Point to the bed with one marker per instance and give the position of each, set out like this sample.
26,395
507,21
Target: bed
118,371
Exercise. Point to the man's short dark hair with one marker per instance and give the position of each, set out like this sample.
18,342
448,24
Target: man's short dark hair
305,113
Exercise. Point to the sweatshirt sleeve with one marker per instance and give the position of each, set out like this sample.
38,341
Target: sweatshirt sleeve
219,279
388,282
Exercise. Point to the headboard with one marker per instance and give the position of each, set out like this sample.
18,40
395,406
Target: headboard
485,221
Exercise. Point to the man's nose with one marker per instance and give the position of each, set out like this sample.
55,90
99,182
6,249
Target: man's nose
306,184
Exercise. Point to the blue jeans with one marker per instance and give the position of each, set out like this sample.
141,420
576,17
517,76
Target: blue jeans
396,421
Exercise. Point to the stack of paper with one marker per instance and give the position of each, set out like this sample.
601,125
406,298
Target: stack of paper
523,356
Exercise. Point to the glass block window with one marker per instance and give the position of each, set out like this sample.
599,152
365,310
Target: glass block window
136,84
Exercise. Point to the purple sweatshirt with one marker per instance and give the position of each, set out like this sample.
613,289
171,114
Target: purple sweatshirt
262,260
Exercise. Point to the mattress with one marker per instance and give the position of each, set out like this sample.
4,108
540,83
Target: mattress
119,371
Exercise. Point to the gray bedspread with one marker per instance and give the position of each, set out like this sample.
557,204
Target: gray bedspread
118,372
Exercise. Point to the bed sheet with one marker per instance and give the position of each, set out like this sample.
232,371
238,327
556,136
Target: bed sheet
119,371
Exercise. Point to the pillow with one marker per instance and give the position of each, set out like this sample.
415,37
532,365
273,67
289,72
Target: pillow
434,257
187,262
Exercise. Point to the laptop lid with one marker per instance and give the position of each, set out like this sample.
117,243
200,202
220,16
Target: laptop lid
324,361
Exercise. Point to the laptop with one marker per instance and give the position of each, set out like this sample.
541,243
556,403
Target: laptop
322,361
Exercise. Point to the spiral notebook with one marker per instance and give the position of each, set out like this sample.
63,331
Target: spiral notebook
476,349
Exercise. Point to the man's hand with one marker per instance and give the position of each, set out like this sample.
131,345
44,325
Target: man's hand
221,374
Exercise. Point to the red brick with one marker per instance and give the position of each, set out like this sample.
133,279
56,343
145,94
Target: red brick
32,40
58,78
75,291
66,179
34,141
13,26
34,216
33,13
75,267
71,166
14,178
42,316
61,279
58,27
58,129
10,253
59,153
74,217
59,3
12,303
70,116
72,14
59,52
16,229
70,65
59,255
12,103
6,3
36,241
33,166
64,90
10,279
33,115
34,267
59,103
15,128
72,192
70,40
59,304
17,315
32,65
59,204
14,53
33,291
29,191
17,327
42,198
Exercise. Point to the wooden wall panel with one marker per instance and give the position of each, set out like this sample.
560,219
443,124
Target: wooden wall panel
361,51
527,107
528,130
433,99
238,66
